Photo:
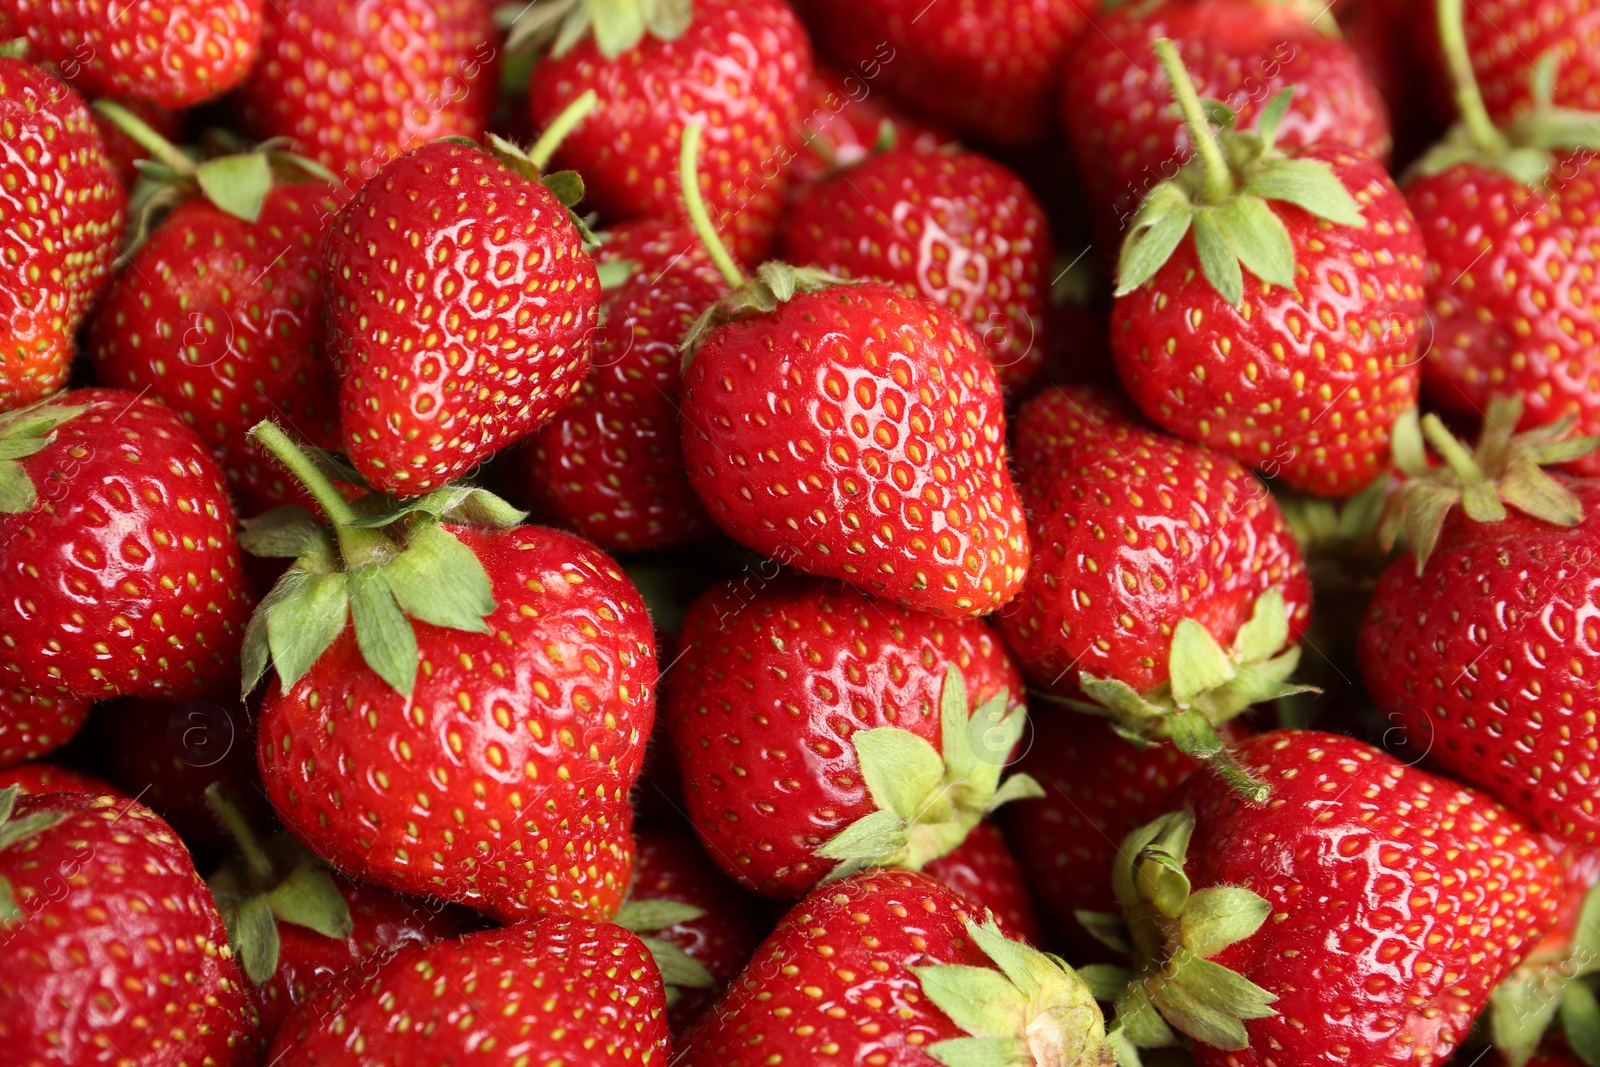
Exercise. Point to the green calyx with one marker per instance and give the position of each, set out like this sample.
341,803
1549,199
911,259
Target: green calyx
268,883
1551,988
12,831
23,433
1170,931
565,185
1033,1011
1223,195
1503,469
617,25
679,970
928,800
377,565
1207,685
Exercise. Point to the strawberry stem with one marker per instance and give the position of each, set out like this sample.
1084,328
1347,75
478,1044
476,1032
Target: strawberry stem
148,139
565,123
689,177
255,858
1469,100
1218,177
357,545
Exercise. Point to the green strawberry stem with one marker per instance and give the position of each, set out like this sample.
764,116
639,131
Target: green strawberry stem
356,545
689,178
256,859
148,139
1218,185
565,123
1469,100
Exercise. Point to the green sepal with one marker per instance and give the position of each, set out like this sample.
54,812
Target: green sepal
454,503
645,916
982,1052
1106,928
437,579
927,800
309,897
383,633
1580,1022
302,625
1529,999
13,831
1105,980
236,184
614,273
616,25
775,283
1215,918
253,932
285,532
679,970
23,433
9,912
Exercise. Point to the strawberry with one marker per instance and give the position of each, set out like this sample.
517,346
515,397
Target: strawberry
818,729
983,870
112,944
219,311
846,123
551,991
32,724
493,683
986,69
1234,360
1167,593
1520,50
62,211
890,967
173,55
1117,113
1396,901
609,465
120,564
1050,426
329,78
36,777
741,71
449,347
955,228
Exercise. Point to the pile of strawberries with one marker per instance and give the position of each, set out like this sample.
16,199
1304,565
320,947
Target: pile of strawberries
772,533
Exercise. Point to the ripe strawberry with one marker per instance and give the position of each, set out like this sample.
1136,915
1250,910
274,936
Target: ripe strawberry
61,212
460,305
1118,115
32,724
1050,426
480,750
890,966
329,78
1167,588
610,464
552,991
36,777
741,71
1520,49
846,122
806,714
985,69
857,433
173,55
1396,901
955,228
120,564
983,870
1236,360
112,944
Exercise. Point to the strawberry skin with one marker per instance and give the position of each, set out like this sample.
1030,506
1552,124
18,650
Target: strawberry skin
1511,291
119,948
955,228
1048,427
502,782
61,212
1304,384
174,54
460,304
610,464
741,71
222,319
858,433
771,683
845,122
983,869
1397,900
36,777
328,78
123,579
32,724
1485,659
1508,38
544,993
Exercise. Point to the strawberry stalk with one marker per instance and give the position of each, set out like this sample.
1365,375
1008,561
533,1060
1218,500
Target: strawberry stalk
565,123
689,179
1469,98
1218,180
358,546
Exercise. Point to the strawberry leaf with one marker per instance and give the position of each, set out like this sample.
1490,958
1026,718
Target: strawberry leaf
1105,980
282,533
26,433
439,580
302,625
309,897
1218,262
1158,228
254,934
383,633
1108,929
1307,183
237,184
256,653
980,1000
982,1052
1215,918
1580,1021
679,970
1258,238
644,916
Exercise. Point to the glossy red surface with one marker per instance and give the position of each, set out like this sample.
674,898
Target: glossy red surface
32,724
983,870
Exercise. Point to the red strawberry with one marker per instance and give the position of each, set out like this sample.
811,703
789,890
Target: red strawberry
670,868
112,944
172,54
770,698
737,67
38,777
485,332
1361,916
954,228
1125,135
1166,589
854,432
330,78
1051,425
1520,49
552,991
1268,302
983,870
32,724
472,731
610,465
889,967
846,121
219,314
61,208
120,565
982,67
